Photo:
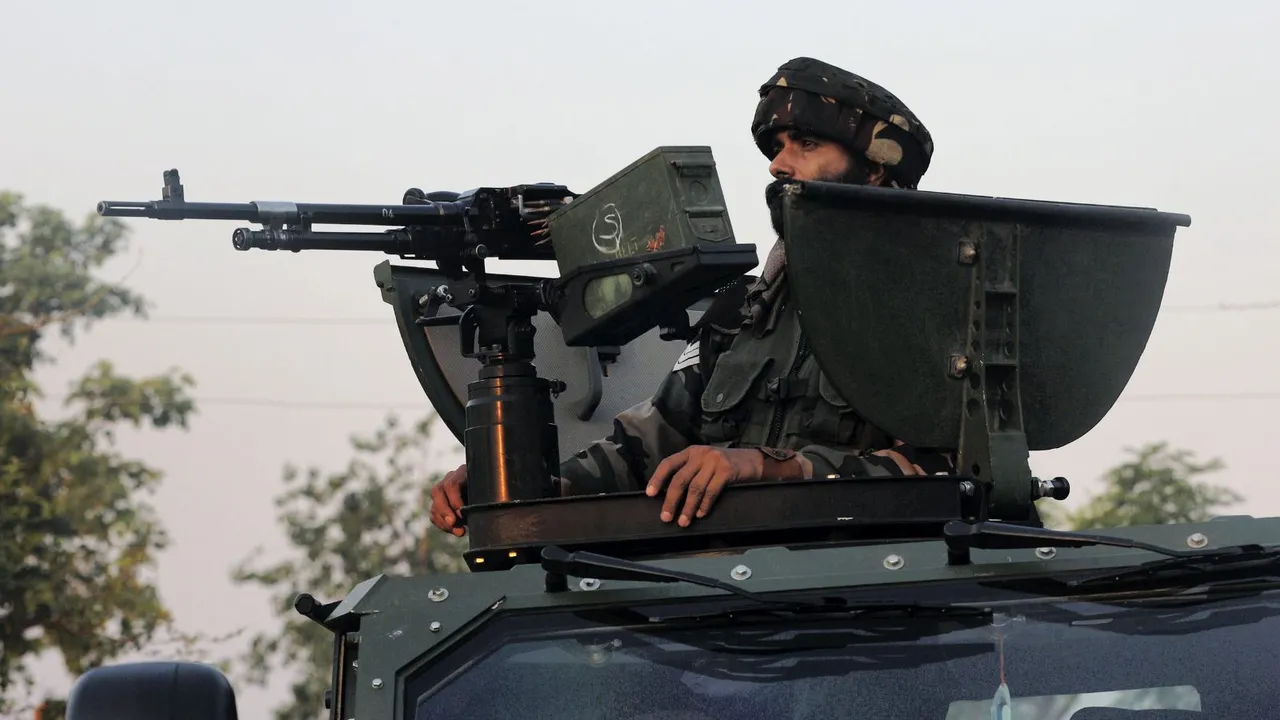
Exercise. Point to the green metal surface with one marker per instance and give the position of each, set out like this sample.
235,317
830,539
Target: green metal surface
885,293
669,198
985,325
406,623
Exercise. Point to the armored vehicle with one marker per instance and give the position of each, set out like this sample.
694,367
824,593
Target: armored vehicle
990,327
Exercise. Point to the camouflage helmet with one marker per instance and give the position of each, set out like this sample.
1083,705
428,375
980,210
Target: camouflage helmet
814,97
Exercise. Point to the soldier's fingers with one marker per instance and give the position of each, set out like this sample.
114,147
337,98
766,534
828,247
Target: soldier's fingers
437,519
441,517
453,493
711,493
668,465
439,509
438,502
898,460
676,489
697,488
659,476
919,470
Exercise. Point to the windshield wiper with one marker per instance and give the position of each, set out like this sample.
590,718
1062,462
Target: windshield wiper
962,536
879,620
560,563
1236,561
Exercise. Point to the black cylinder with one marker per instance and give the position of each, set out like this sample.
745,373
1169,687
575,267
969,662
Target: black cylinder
513,451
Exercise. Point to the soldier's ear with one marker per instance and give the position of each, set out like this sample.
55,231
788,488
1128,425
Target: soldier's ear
877,175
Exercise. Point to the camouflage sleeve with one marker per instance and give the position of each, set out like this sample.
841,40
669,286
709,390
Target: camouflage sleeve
827,462
642,435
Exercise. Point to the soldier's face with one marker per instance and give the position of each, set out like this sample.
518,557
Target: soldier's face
805,157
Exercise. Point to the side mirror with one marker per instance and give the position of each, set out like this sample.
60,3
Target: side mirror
152,691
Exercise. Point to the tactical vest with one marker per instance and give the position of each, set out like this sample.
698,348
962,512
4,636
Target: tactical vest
769,391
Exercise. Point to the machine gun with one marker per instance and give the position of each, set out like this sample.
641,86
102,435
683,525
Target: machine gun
609,292
453,229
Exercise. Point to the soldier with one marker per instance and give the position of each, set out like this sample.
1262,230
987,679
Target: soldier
746,400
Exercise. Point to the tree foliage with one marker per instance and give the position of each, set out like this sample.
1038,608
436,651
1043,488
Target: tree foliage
1159,485
77,539
371,517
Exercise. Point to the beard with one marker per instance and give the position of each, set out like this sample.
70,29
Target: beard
855,175
773,199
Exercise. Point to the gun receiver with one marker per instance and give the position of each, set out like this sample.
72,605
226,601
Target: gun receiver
443,226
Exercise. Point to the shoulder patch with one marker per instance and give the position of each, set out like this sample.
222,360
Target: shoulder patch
688,357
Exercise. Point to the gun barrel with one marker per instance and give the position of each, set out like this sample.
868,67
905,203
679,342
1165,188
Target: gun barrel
165,210
276,212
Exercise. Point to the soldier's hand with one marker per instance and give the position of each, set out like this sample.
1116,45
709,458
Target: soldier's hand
696,475
447,502
908,460
906,466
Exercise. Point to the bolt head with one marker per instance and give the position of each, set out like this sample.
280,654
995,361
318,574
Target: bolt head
1197,540
894,562
741,572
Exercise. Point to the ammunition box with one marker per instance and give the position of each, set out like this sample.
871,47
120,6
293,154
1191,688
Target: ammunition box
670,198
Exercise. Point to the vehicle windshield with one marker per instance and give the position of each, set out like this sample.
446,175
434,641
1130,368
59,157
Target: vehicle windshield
1044,658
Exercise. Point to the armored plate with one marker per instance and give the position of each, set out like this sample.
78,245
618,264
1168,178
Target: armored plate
884,281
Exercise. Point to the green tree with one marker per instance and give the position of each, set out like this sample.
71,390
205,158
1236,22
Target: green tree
77,539
1159,485
369,518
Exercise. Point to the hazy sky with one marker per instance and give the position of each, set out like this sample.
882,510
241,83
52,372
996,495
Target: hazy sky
1161,104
